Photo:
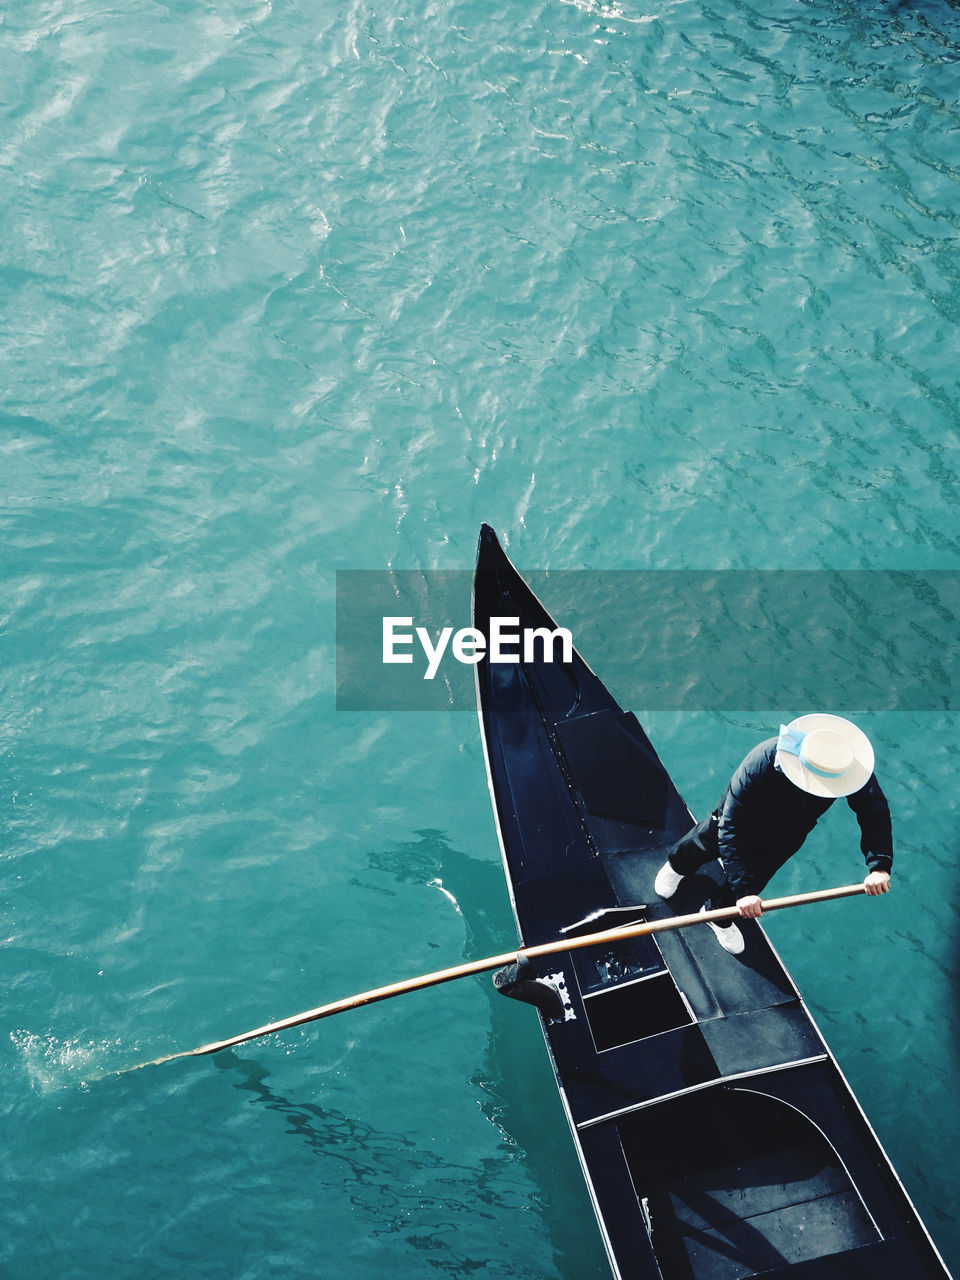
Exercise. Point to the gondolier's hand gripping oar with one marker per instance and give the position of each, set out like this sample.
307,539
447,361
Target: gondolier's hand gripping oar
497,962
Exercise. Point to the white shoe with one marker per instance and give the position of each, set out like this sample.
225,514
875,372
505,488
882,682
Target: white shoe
729,936
667,882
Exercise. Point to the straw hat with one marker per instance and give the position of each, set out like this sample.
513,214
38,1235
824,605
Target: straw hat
824,755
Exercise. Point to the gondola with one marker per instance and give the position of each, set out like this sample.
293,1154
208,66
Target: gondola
716,1133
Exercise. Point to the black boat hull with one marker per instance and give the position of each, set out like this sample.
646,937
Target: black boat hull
716,1132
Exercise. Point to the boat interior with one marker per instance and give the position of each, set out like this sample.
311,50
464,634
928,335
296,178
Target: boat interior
736,1183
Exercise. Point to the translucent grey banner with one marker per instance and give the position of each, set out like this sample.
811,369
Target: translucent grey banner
664,640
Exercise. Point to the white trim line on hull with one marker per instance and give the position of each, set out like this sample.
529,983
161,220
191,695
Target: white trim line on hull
699,1088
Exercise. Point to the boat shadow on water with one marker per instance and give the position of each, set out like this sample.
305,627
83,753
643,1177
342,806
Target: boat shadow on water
393,1181
385,1181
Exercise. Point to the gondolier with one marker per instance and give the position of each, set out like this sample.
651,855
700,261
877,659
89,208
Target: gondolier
771,805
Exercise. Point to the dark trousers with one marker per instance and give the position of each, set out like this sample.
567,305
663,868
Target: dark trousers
699,846
702,845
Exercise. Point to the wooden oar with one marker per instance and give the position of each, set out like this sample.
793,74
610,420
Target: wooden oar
497,962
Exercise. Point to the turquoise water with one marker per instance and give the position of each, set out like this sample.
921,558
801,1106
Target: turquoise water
292,288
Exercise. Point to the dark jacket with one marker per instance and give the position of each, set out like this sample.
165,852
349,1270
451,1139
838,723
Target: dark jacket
764,819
